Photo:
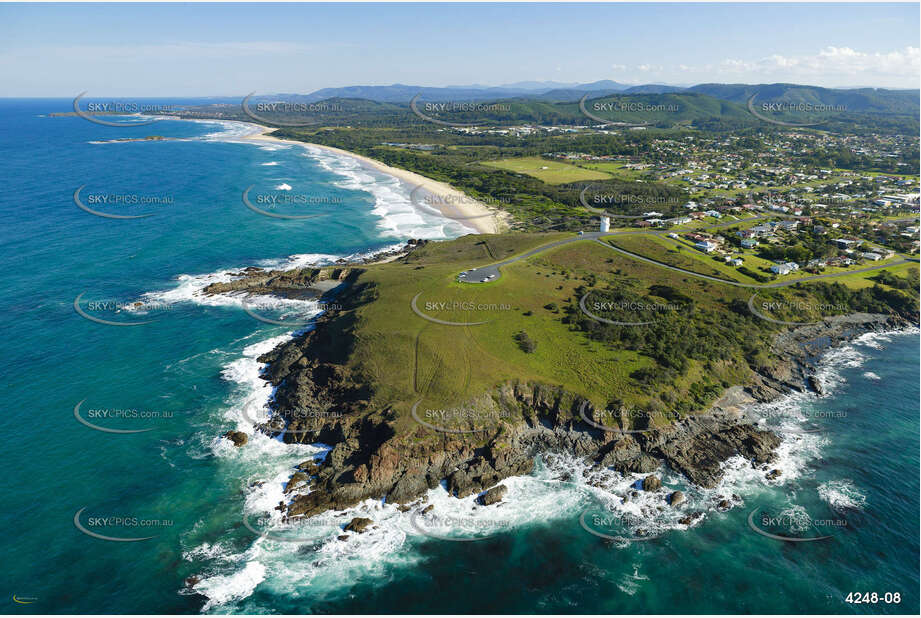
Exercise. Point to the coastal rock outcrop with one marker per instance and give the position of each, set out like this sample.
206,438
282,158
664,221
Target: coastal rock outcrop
358,525
237,437
309,467
297,479
370,459
494,495
373,454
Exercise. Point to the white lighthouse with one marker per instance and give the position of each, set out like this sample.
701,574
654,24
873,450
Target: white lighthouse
605,224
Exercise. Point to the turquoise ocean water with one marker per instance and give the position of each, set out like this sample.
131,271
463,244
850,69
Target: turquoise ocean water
191,373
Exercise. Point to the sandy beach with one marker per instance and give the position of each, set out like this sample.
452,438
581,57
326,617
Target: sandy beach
452,203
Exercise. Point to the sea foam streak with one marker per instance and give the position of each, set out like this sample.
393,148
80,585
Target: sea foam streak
327,563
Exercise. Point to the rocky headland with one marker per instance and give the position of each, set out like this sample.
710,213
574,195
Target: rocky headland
302,282
317,400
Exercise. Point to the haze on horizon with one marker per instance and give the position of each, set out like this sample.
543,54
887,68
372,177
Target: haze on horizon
229,50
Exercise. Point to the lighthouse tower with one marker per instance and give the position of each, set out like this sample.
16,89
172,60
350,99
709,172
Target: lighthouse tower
605,224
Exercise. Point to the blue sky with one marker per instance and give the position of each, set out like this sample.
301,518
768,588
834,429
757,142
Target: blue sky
233,49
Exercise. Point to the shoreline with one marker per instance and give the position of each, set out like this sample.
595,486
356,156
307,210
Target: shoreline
728,417
450,202
695,447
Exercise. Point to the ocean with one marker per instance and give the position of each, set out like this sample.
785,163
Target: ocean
186,372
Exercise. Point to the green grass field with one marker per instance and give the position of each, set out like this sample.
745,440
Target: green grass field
403,358
550,172
678,253
618,170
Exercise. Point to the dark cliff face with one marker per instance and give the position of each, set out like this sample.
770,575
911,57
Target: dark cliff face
254,280
796,351
371,461
318,401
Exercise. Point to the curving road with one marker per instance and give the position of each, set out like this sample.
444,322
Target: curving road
492,273
748,285
477,275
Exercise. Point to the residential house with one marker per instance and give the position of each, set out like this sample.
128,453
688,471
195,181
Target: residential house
784,269
846,243
707,246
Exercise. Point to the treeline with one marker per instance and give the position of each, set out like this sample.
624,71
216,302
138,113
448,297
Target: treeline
678,332
806,249
725,337
902,302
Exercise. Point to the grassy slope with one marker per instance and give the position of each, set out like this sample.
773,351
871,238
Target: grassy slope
557,172
687,257
406,358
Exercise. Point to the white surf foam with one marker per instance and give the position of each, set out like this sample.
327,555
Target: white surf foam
229,130
850,356
829,372
842,495
320,561
392,203
263,456
797,518
561,486
222,589
875,341
190,287
631,582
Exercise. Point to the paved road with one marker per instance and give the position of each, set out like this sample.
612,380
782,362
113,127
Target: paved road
477,275
747,285
491,272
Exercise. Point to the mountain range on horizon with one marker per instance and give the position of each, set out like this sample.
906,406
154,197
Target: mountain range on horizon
527,95
560,91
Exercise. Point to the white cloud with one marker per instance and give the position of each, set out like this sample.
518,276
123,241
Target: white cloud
839,65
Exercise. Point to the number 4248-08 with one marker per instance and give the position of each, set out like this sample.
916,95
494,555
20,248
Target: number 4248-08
873,597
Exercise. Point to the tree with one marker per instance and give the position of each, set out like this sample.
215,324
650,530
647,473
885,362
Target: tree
527,345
